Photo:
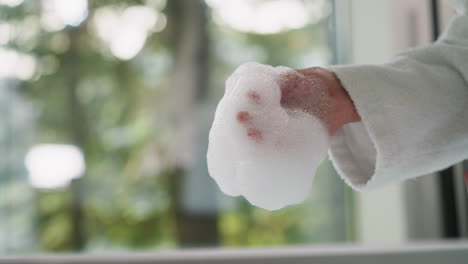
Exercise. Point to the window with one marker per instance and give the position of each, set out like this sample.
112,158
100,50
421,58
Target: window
105,108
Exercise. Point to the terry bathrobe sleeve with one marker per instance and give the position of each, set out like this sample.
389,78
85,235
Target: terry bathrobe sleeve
414,112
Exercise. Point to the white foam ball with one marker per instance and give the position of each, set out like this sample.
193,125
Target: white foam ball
270,159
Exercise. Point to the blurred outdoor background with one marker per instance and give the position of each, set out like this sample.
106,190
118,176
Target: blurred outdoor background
105,108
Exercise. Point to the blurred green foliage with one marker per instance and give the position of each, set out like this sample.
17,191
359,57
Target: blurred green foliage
114,111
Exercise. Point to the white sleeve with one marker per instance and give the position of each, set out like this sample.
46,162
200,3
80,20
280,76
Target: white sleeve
414,113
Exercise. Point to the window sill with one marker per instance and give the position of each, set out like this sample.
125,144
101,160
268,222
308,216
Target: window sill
432,252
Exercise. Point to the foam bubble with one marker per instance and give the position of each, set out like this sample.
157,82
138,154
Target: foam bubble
257,148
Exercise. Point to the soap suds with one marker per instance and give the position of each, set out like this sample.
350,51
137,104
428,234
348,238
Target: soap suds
261,148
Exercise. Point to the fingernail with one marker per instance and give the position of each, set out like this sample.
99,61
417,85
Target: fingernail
254,97
254,134
243,117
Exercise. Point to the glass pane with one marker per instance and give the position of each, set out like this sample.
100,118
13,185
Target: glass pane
106,108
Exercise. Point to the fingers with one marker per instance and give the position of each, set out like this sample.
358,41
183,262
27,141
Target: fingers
288,80
245,118
291,76
254,134
254,97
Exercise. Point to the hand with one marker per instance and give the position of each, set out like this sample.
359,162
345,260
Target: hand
318,92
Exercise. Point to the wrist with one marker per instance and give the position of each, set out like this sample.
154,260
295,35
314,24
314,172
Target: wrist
342,109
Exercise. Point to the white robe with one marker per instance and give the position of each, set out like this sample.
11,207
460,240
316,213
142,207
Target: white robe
414,112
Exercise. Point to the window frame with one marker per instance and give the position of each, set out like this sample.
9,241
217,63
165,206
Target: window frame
427,253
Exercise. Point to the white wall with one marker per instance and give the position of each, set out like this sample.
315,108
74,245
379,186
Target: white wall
380,214
379,30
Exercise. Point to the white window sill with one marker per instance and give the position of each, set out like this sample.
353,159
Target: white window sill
434,252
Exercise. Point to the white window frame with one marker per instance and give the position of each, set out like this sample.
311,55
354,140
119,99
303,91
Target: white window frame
427,253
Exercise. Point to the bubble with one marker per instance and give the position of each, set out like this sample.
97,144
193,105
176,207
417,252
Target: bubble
257,148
